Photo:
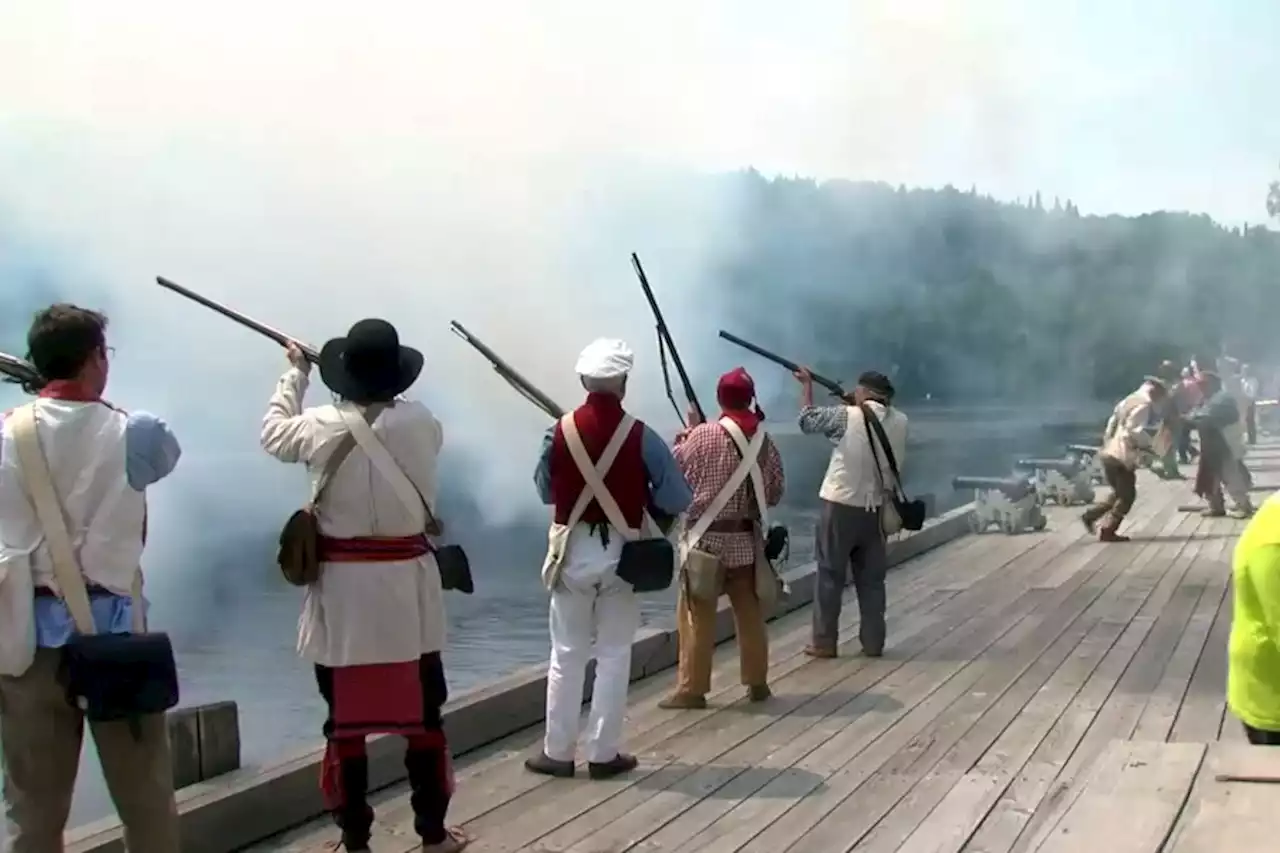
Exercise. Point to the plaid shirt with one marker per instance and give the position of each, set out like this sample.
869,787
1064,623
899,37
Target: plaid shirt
708,457
831,421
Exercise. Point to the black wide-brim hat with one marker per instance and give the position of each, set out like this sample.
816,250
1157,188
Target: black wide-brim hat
369,365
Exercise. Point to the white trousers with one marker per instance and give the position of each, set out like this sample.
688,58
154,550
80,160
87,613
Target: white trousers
593,614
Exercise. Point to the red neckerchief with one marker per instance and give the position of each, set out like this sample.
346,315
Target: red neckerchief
69,390
747,421
601,400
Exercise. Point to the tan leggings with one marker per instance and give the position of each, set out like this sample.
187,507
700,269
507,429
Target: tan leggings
40,739
696,628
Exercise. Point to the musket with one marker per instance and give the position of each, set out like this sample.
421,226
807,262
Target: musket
830,384
312,354
508,373
666,345
19,371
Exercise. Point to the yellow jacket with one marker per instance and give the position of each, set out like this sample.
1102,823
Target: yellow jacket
1253,677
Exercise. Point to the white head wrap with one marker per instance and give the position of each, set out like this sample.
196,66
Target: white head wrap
605,358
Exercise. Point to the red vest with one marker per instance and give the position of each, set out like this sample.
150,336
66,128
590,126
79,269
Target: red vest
627,480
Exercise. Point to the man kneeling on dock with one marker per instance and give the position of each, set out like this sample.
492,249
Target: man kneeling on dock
733,466
1124,441
592,607
373,621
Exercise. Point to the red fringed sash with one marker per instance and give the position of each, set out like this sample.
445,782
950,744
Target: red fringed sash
373,549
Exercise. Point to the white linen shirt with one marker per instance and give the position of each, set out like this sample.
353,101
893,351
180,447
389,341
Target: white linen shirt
367,612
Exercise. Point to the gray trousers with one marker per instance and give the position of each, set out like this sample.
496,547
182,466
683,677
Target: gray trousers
849,541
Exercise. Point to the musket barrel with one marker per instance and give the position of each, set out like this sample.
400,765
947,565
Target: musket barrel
665,334
830,384
507,372
21,372
312,354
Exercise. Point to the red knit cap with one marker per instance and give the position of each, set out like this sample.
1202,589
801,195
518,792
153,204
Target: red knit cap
735,391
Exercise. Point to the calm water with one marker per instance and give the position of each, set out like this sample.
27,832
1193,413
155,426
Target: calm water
235,629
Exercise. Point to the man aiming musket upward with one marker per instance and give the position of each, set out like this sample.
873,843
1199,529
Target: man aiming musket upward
373,619
599,470
851,536
735,471
859,497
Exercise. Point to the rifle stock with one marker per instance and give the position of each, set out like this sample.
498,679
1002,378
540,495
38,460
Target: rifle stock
508,373
311,353
19,371
830,384
665,340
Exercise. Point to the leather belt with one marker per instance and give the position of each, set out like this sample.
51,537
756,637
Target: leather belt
93,589
732,525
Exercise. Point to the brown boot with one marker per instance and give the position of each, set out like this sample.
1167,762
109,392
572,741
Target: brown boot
1108,534
683,702
819,652
758,693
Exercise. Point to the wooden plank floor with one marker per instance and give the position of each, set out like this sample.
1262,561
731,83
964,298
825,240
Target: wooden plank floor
1156,797
1013,665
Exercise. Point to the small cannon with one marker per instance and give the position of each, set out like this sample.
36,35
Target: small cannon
1268,417
1087,456
1009,503
1063,481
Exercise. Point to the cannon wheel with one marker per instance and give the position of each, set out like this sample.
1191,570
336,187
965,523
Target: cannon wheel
1039,522
976,525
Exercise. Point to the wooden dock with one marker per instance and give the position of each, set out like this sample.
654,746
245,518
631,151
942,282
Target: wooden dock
1042,692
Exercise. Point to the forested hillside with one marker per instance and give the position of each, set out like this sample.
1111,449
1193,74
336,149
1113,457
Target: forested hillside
973,298
960,296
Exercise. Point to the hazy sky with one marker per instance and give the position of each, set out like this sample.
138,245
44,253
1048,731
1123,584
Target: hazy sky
315,162
1123,106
